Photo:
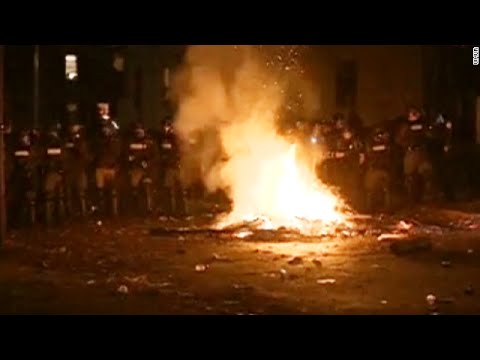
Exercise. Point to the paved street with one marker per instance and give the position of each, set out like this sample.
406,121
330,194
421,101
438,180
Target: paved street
121,268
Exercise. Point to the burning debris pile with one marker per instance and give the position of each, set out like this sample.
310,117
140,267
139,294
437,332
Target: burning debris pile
230,102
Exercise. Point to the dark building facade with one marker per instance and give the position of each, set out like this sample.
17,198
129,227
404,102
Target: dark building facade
452,84
148,71
97,81
377,82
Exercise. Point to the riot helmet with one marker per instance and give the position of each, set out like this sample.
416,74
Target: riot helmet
381,135
25,138
414,114
339,121
138,131
53,131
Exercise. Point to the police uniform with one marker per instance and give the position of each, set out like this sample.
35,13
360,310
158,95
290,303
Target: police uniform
107,166
323,139
54,176
378,169
142,155
416,162
442,154
77,159
170,171
24,181
346,158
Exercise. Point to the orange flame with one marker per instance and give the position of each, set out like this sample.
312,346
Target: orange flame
283,192
228,91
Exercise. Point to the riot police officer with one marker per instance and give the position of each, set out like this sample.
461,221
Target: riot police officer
77,160
323,141
442,153
107,163
142,153
347,156
23,183
53,162
170,170
9,158
377,179
417,167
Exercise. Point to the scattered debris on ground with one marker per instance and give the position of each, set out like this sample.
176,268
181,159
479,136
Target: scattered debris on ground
431,303
446,264
121,255
220,258
391,237
296,261
447,300
411,246
200,268
326,281
317,263
122,289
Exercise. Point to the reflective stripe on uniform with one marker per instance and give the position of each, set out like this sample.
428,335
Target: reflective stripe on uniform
22,153
54,151
379,148
138,146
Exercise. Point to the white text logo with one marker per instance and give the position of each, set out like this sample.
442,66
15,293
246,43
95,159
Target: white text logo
475,55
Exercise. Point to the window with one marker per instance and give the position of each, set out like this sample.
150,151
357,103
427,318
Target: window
118,62
71,69
346,83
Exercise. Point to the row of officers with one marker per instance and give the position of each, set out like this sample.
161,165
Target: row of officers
409,157
59,173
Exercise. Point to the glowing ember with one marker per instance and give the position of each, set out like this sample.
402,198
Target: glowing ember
243,234
402,225
326,281
384,237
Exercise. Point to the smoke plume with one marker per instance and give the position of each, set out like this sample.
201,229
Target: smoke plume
231,100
